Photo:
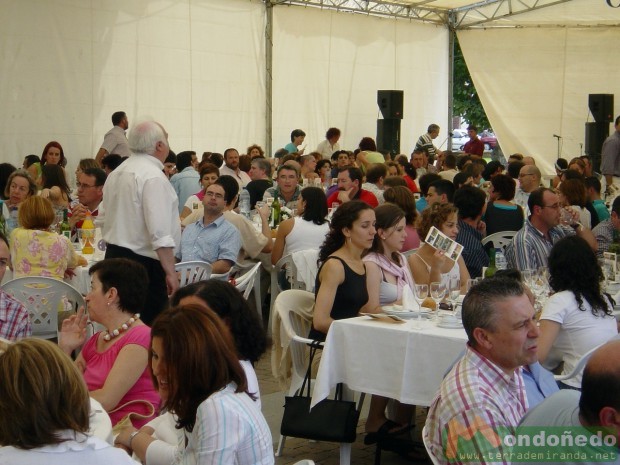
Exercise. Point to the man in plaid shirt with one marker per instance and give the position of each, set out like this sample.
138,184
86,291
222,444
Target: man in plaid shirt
483,395
14,318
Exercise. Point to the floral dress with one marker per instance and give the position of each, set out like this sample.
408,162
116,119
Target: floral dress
41,253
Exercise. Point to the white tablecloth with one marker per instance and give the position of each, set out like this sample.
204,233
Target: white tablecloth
392,360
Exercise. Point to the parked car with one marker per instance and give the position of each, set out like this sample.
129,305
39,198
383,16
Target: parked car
459,138
489,139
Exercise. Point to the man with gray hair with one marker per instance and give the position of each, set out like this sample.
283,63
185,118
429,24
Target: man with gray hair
425,142
142,216
485,390
260,175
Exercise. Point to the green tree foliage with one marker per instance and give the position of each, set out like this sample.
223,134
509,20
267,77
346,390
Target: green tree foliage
466,101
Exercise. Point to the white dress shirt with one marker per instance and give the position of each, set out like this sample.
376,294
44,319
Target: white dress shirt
241,177
141,207
326,149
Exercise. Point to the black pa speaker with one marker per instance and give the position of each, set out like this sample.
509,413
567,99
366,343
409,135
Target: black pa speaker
596,133
388,135
390,103
602,107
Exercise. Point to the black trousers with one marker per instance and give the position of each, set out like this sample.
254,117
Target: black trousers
157,294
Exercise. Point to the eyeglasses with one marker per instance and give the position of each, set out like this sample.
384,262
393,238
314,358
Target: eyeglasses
83,186
555,206
213,194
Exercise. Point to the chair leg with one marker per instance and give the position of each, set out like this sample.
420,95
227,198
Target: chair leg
378,454
280,446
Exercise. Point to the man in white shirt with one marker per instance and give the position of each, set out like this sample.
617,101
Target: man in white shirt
115,140
142,220
529,180
330,144
231,168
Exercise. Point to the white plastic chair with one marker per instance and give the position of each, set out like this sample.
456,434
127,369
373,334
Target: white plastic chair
500,239
191,272
579,366
45,298
286,263
248,281
305,462
296,326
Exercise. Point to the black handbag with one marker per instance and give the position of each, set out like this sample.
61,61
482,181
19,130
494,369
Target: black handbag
332,420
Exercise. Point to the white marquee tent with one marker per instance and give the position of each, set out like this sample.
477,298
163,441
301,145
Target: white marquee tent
220,73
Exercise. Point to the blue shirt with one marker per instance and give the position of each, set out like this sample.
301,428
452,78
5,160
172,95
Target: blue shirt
185,183
474,254
601,210
539,383
420,205
291,148
219,240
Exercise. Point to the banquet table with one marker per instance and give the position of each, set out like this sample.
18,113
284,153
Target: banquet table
398,361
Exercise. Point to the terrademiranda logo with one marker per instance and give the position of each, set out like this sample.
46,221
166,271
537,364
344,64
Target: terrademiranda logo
477,442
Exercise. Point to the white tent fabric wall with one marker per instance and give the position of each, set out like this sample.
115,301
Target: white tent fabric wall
196,66
534,82
328,67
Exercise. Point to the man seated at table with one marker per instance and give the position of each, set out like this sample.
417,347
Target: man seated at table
90,195
350,188
260,173
470,202
287,189
604,231
375,176
485,389
598,405
531,245
212,238
14,318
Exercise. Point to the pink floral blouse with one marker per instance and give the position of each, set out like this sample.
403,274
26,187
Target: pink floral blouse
41,253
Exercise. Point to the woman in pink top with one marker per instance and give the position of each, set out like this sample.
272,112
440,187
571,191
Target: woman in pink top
401,196
114,361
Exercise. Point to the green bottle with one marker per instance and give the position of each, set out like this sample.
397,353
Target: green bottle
275,212
65,227
490,271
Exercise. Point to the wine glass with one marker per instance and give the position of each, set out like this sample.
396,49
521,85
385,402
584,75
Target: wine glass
420,292
438,292
455,291
471,283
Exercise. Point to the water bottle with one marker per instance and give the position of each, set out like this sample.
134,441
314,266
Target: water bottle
500,260
244,203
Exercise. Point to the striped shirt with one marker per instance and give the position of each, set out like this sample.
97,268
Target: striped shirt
604,234
474,253
14,318
229,429
476,396
529,249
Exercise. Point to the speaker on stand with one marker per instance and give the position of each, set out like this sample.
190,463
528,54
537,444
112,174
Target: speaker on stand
602,108
390,104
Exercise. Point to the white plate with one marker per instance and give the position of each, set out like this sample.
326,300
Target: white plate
406,314
450,324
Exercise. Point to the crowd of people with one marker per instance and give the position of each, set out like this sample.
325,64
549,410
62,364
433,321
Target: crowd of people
376,220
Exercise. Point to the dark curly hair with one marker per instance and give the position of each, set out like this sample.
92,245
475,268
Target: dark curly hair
245,324
344,217
573,267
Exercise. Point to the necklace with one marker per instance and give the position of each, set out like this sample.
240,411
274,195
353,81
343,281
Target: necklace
121,329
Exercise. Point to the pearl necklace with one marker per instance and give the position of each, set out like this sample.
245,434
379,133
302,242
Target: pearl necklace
121,329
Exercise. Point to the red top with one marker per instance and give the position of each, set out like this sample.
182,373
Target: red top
362,195
474,146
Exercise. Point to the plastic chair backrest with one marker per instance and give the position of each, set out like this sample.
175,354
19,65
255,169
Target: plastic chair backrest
579,366
500,239
245,282
45,298
290,305
191,272
305,462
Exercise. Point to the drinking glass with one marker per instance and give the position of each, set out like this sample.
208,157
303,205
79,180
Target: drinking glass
471,283
455,291
81,238
420,292
438,292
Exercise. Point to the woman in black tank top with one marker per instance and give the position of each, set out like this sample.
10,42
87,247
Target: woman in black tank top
341,280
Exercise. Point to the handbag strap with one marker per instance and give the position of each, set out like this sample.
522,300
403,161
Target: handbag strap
314,346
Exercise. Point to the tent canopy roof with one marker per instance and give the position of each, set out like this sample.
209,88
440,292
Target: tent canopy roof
468,14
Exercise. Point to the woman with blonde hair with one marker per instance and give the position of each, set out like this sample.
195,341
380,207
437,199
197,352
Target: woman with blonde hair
45,409
429,264
37,251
